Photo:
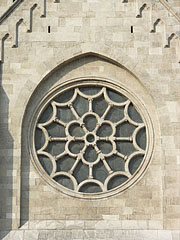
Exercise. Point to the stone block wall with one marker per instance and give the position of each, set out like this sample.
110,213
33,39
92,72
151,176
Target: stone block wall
135,45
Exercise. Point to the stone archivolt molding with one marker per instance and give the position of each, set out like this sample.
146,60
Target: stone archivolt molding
91,139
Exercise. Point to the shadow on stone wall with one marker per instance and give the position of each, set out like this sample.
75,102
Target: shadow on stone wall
25,171
36,97
6,163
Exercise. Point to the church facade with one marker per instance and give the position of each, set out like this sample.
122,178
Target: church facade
90,119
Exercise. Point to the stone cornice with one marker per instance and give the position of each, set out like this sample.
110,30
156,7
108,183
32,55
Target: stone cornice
18,2
10,10
170,9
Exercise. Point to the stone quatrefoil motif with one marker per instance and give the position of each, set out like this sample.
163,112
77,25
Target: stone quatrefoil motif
90,139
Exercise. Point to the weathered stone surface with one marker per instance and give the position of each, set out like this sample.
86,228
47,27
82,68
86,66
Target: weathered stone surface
137,47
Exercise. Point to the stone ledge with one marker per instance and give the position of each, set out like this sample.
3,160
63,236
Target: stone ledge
93,224
90,234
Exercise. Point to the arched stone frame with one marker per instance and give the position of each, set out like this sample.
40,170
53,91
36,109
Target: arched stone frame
146,121
104,53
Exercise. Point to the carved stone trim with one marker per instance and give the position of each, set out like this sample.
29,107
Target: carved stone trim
10,10
90,138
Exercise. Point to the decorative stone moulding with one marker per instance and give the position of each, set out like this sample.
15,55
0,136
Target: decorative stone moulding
91,138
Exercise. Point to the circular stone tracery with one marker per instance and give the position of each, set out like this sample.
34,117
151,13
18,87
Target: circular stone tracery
91,139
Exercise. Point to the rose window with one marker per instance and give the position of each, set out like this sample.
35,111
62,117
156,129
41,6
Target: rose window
91,139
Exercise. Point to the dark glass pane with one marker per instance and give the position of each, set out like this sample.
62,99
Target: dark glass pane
90,90
56,130
76,146
46,115
105,130
90,188
90,138
125,130
116,163
90,154
65,97
81,172
125,148
135,163
81,105
115,114
65,114
99,172
141,138
105,147
39,139
116,181
55,148
76,130
65,181
46,164
65,163
115,96
133,114
90,122
99,105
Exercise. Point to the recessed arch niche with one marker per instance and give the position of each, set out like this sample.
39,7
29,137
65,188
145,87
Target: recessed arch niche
88,70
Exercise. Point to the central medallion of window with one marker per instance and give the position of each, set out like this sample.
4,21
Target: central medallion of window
91,139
